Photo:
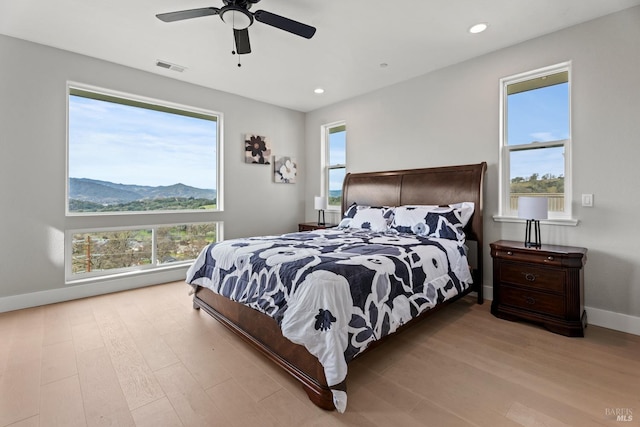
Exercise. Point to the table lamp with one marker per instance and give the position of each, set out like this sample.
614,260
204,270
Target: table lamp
533,209
319,203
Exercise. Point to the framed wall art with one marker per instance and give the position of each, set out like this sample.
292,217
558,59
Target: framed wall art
257,149
285,170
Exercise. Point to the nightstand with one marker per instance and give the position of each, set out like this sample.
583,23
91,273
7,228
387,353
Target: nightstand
543,285
310,226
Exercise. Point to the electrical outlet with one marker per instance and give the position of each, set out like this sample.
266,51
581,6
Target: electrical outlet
587,200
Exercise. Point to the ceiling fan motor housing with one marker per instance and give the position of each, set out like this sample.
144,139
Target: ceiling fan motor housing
240,3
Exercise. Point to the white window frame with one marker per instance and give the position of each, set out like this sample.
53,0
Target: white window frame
162,104
505,213
71,278
326,166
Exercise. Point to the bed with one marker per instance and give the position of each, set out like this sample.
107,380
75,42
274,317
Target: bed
313,301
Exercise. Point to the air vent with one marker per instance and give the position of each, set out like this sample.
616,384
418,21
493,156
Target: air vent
170,66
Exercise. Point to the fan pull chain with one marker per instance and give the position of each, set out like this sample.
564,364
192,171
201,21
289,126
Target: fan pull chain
233,46
233,51
233,41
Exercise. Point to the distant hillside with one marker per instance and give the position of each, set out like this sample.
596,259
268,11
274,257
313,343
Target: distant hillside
108,193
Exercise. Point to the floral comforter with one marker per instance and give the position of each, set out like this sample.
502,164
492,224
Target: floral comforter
335,291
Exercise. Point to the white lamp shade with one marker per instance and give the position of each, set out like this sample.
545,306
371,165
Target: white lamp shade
319,202
533,207
238,19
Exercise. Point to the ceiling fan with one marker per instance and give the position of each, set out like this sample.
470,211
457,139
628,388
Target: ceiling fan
236,14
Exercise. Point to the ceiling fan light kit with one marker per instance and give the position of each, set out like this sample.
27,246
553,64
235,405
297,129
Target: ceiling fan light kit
236,14
238,18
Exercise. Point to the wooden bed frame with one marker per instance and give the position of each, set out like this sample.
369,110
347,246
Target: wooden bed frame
432,186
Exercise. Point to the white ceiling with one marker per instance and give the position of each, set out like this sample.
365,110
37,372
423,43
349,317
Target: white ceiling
353,38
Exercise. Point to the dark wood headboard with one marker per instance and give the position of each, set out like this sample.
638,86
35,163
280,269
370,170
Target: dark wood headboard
430,186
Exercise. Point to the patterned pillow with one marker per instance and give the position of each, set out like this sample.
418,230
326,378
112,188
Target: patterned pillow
351,210
445,222
367,217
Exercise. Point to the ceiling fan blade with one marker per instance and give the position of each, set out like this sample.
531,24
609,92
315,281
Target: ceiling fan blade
242,41
294,27
187,14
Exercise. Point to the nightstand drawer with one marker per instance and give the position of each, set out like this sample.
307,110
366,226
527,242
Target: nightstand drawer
528,257
547,279
538,302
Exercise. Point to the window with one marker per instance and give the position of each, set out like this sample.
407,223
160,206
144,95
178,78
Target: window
335,146
111,251
128,154
536,140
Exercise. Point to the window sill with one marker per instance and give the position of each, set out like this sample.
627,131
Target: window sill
128,274
570,222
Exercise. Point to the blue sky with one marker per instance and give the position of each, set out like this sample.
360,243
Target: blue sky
538,115
130,145
337,155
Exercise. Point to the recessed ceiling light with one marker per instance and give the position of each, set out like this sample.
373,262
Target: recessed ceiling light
478,28
318,90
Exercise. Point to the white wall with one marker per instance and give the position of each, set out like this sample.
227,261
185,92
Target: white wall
33,157
451,117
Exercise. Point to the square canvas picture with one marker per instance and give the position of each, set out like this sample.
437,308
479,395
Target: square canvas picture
257,149
285,170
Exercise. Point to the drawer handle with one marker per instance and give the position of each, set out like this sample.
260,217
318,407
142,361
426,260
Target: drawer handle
530,300
530,277
550,258
509,253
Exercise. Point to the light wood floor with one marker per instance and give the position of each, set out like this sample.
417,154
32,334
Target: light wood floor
146,358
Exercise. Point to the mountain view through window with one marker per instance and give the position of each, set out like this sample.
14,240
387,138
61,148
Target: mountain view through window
127,155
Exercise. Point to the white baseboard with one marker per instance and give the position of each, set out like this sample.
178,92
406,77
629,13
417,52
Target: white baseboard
71,292
611,320
598,317
487,292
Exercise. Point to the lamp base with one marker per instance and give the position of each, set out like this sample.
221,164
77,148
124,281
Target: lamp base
536,243
321,214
